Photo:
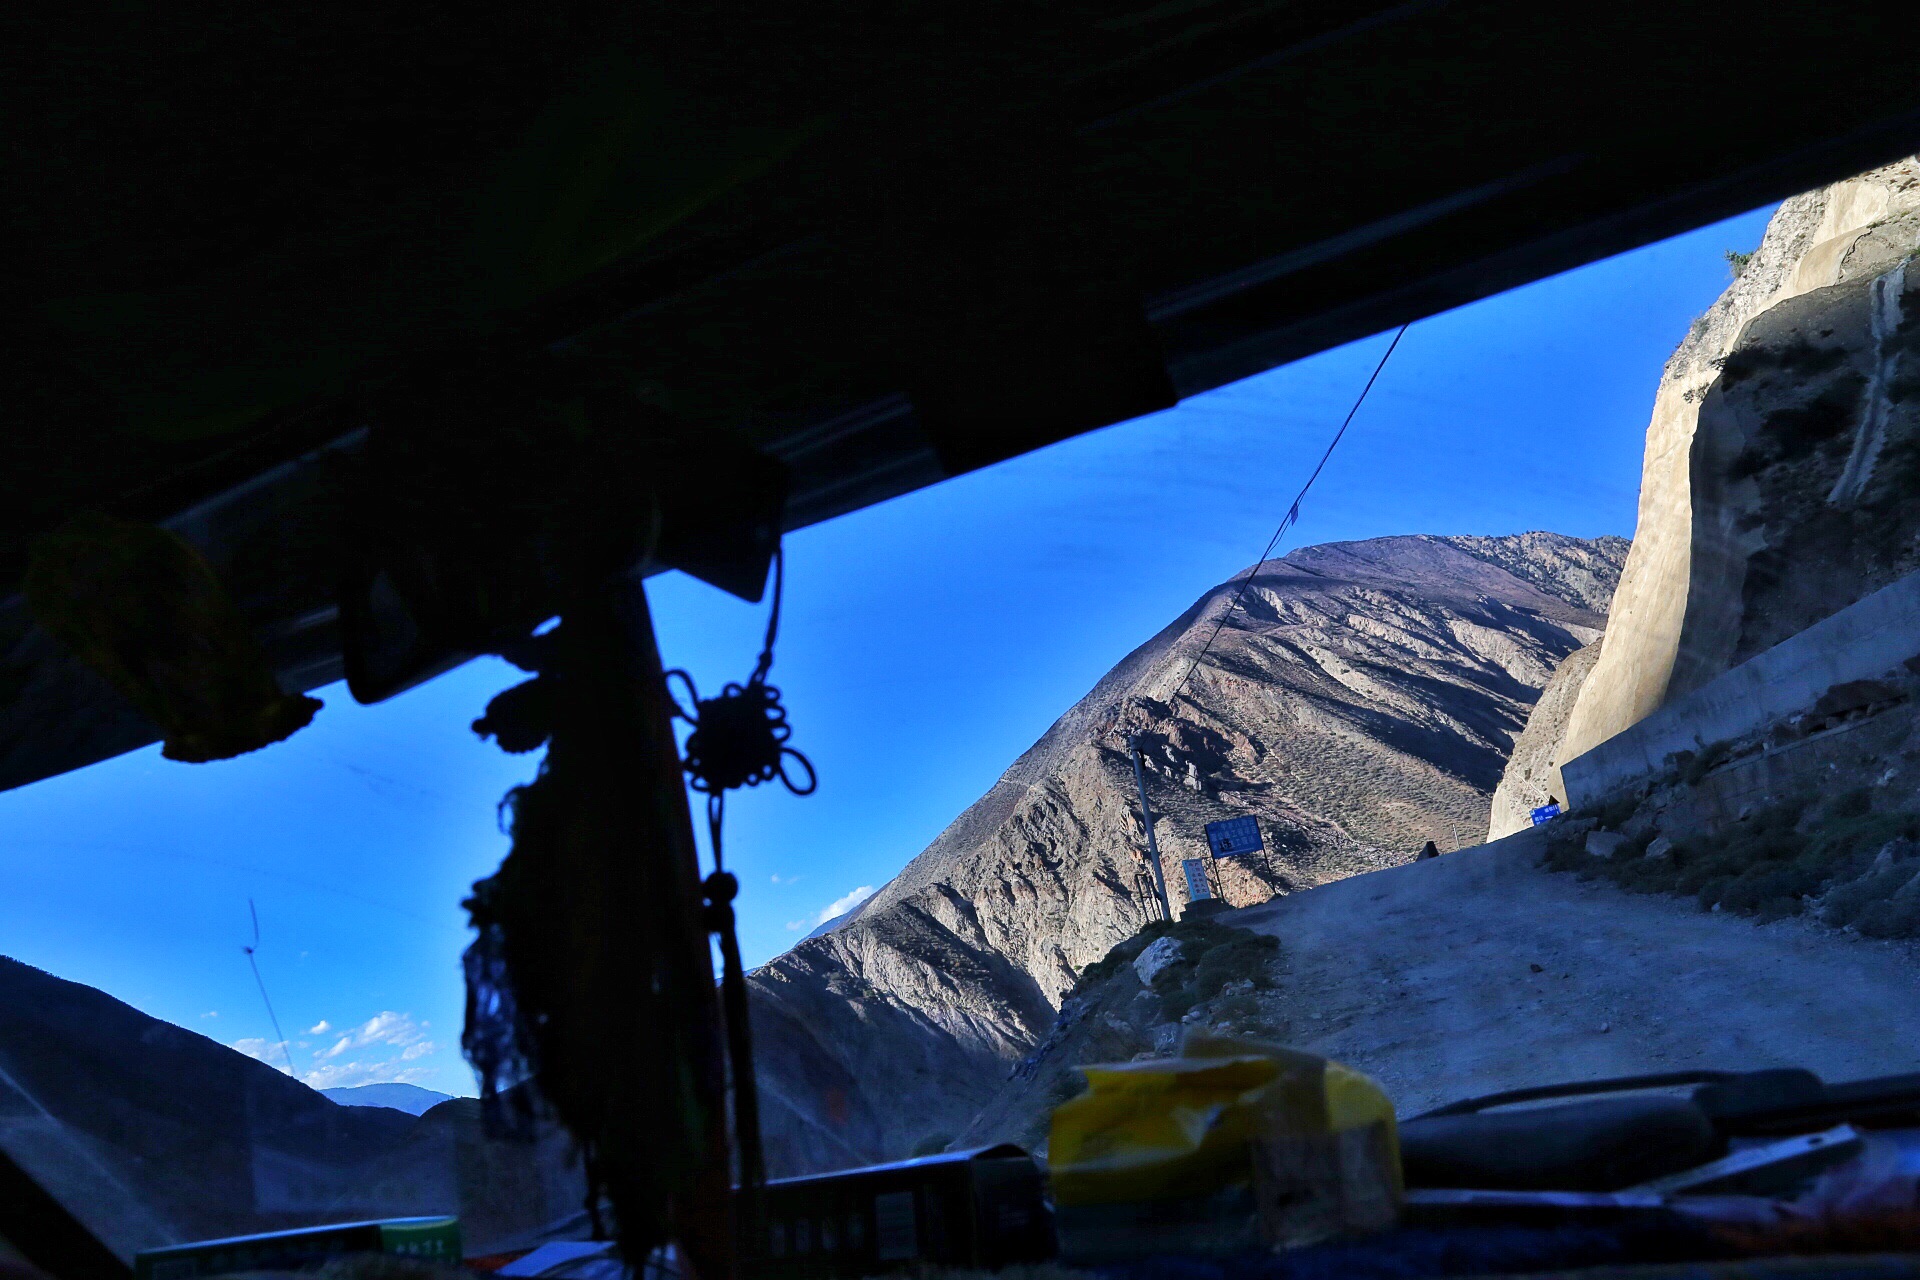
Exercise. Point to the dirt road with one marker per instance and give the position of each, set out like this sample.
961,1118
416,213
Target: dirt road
1477,971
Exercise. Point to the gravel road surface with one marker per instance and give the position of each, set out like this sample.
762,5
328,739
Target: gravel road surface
1477,971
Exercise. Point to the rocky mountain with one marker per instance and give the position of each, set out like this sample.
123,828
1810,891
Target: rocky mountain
153,1134
1784,441
1361,701
1532,777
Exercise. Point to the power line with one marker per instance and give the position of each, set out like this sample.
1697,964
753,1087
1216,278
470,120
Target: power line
271,1016
1289,520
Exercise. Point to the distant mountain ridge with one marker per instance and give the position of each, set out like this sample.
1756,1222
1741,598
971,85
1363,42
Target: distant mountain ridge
1362,702
410,1098
111,1109
153,1134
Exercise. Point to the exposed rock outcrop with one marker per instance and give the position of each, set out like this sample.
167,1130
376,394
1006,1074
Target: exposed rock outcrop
1137,1002
1532,775
1805,466
1360,703
1785,362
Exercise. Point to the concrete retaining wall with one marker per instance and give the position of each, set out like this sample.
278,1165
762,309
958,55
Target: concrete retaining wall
1866,639
1852,754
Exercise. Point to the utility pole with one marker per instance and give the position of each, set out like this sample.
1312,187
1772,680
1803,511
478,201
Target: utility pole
1146,817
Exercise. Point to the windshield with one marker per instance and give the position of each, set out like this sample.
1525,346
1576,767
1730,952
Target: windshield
1097,775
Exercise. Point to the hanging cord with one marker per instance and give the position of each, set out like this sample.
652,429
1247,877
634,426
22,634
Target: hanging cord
739,739
1289,520
261,983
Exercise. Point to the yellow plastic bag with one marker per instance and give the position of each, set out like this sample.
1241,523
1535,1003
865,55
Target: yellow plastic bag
1232,1145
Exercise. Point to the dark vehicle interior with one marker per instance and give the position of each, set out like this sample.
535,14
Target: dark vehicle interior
358,342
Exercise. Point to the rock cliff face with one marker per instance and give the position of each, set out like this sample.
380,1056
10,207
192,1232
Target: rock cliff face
1805,463
1778,436
1532,778
1361,702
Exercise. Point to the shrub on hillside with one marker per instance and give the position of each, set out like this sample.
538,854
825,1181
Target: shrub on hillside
1777,863
1211,956
1697,765
1899,917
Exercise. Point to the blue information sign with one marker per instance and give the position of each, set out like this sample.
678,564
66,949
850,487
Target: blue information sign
1197,888
1234,836
1545,813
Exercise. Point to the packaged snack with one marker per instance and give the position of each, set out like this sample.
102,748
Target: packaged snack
1234,1145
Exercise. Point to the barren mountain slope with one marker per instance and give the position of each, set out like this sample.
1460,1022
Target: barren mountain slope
1361,702
153,1134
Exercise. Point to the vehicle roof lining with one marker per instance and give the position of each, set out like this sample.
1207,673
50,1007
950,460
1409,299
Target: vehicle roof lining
1253,182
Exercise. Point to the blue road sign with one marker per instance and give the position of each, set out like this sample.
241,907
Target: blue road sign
1545,813
1232,837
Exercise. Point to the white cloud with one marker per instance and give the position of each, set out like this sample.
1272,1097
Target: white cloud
378,1051
838,907
211,1013
845,903
346,1075
777,878
388,1029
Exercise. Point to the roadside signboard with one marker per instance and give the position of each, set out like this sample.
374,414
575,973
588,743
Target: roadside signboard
1545,813
1232,837
1196,869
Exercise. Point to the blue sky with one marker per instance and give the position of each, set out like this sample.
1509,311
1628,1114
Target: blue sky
926,643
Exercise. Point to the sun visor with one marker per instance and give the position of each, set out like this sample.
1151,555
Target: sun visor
461,542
